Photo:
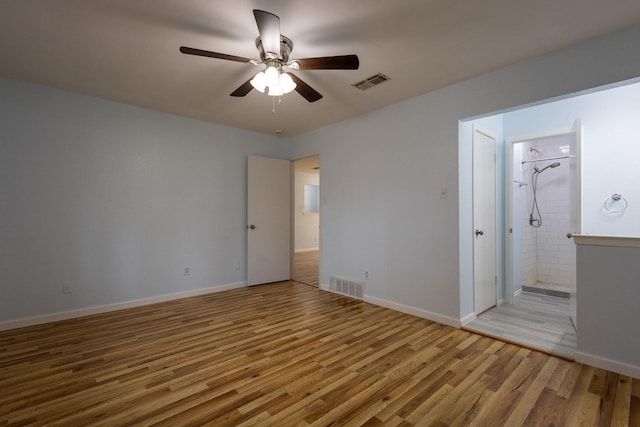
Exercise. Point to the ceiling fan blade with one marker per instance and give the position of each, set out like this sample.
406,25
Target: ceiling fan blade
209,54
244,89
307,92
269,28
343,62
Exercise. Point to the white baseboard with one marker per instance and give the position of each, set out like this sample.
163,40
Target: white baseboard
72,314
468,319
445,320
608,364
307,250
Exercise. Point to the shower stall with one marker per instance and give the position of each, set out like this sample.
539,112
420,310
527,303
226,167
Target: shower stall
543,204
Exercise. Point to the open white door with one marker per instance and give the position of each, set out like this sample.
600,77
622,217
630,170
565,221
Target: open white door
575,212
484,218
268,220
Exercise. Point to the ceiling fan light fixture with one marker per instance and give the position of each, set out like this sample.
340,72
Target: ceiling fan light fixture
271,76
286,83
275,49
278,82
259,82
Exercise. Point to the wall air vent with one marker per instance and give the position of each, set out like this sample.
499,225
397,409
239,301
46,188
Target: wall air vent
370,82
351,288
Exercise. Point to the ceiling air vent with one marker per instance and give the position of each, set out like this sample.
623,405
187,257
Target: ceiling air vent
370,82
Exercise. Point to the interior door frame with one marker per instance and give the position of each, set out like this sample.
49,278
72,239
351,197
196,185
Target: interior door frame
575,129
293,212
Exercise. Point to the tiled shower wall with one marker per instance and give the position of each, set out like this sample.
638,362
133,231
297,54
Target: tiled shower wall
548,256
529,242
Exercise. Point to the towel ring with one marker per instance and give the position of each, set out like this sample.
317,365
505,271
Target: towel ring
609,204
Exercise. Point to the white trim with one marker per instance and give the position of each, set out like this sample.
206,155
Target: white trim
307,250
72,314
599,240
445,320
468,319
608,364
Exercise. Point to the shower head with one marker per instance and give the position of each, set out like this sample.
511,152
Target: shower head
552,165
535,150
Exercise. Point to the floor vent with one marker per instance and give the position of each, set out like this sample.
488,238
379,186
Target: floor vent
370,82
352,288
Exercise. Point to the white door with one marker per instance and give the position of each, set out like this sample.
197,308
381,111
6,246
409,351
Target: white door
575,214
484,219
268,220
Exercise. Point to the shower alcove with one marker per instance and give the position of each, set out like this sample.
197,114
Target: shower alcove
544,214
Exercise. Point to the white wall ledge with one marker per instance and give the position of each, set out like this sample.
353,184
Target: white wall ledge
602,240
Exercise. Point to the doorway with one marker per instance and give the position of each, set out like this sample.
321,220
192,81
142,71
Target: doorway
306,221
541,211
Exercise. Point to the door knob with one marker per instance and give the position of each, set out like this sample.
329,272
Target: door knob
479,232
253,227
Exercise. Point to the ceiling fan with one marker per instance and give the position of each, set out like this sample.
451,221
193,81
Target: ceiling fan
274,49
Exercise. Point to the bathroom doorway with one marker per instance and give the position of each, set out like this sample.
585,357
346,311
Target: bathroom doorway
306,221
597,180
541,208
541,211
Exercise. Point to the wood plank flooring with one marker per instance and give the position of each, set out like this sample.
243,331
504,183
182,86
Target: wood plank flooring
288,354
306,267
536,320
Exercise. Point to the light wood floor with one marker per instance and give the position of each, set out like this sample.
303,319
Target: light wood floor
306,267
536,320
288,354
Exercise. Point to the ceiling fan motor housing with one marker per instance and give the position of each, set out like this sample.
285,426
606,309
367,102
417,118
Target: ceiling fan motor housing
286,46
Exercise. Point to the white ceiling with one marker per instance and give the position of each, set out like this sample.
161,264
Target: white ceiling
127,50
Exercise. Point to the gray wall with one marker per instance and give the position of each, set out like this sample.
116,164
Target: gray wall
608,314
116,200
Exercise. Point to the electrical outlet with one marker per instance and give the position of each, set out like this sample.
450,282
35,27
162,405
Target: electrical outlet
187,271
67,287
443,193
366,275
236,265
